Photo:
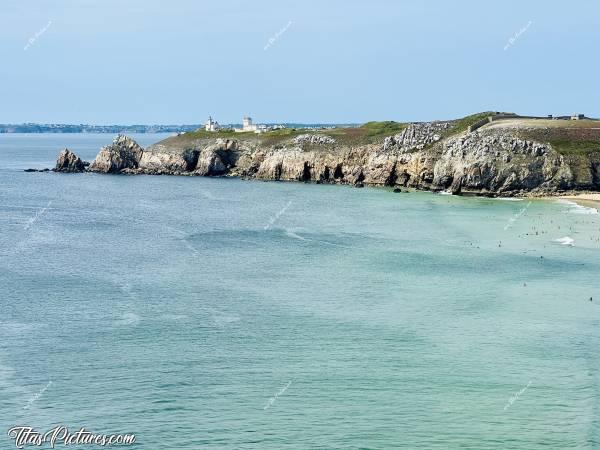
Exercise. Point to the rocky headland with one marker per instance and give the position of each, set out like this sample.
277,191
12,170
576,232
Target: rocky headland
475,155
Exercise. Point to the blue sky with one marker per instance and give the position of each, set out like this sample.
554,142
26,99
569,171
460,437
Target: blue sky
150,61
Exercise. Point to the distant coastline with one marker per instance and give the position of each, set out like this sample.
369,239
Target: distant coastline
83,128
130,129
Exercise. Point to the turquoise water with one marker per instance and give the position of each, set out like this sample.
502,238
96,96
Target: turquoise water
228,314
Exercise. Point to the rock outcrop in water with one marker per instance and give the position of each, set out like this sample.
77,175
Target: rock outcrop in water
69,162
489,161
123,153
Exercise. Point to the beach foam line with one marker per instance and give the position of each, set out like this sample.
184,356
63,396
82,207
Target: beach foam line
576,208
509,199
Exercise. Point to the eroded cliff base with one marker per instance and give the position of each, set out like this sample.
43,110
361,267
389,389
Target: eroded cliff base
509,157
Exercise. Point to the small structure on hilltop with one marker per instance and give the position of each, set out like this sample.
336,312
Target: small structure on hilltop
503,116
247,124
249,127
211,125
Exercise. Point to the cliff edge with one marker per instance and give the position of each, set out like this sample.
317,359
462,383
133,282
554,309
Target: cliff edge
474,155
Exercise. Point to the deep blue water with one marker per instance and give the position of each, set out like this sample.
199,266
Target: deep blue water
227,314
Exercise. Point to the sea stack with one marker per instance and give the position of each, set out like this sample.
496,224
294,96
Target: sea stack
69,162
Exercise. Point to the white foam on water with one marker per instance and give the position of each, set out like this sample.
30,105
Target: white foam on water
584,210
445,193
566,202
566,241
291,234
574,208
509,199
128,319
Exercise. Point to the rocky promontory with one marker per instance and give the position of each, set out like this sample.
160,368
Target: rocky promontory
514,157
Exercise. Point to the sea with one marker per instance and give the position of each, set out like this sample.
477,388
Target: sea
219,313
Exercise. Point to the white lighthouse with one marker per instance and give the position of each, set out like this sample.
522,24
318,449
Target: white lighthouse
211,125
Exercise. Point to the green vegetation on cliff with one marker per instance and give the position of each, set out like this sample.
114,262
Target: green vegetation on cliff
203,134
462,125
369,133
566,147
579,137
387,128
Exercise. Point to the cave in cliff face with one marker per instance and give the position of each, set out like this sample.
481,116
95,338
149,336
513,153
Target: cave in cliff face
427,177
305,172
326,174
392,177
278,171
446,181
338,172
191,159
403,179
229,156
360,178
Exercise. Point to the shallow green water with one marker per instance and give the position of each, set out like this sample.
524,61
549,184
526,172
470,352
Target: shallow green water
219,313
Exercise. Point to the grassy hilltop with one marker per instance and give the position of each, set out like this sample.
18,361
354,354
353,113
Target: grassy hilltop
368,133
568,137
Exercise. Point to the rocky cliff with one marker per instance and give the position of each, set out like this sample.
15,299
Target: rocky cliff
493,160
123,153
69,162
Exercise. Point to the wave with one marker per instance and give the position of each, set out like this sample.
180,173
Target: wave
575,208
566,241
291,234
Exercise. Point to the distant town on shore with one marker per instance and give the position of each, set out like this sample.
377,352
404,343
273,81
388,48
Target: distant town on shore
210,125
247,125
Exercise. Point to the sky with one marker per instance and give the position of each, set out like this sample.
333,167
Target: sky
334,61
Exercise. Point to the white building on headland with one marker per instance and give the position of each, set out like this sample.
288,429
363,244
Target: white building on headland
248,126
211,125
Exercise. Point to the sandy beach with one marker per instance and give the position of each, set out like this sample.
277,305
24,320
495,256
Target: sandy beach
591,200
